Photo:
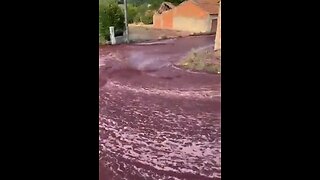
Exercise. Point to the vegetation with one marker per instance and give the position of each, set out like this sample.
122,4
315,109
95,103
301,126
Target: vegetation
143,10
202,61
110,14
141,13
147,18
132,13
153,2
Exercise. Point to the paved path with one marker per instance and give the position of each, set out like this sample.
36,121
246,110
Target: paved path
157,121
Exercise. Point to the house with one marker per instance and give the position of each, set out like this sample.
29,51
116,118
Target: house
217,45
191,15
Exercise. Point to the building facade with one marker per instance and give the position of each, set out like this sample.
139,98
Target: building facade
192,15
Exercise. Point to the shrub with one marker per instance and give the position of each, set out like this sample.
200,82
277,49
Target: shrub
102,39
110,14
201,61
148,17
137,18
144,15
132,13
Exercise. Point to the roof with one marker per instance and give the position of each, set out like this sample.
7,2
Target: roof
165,6
210,6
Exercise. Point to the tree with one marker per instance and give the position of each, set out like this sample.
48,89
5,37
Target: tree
155,4
137,2
175,2
110,14
132,13
148,17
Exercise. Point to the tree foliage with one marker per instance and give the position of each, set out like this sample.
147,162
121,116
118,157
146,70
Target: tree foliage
143,10
143,13
110,14
132,13
140,2
148,17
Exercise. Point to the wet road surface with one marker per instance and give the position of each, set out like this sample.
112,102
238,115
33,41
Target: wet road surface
157,121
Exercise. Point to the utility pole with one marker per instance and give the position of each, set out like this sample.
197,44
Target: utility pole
126,21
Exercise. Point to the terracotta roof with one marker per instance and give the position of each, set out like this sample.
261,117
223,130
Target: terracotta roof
211,6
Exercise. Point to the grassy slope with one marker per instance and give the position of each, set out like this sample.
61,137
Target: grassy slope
204,60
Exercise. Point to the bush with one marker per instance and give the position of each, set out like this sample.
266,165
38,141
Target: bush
110,14
132,13
102,39
143,15
155,4
137,18
142,8
175,2
201,61
148,17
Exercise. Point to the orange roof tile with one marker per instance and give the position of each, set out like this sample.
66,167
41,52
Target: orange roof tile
211,6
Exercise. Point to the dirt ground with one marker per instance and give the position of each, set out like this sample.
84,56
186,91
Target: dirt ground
157,121
202,60
147,32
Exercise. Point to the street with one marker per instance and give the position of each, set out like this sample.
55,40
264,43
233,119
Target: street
157,121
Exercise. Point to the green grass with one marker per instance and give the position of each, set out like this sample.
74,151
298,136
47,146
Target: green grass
102,40
202,61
